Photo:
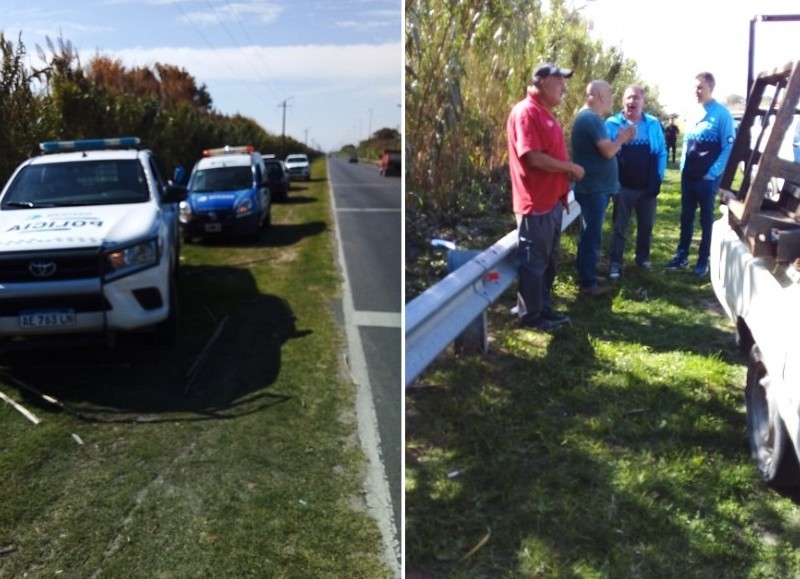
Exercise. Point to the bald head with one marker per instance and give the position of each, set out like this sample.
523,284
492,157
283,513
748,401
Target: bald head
599,97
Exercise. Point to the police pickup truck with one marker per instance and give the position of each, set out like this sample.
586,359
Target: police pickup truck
755,270
89,243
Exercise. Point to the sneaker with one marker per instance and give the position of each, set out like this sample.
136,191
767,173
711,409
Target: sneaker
677,262
645,265
592,291
554,316
614,271
701,269
542,324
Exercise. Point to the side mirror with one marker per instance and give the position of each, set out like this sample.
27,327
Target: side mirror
175,193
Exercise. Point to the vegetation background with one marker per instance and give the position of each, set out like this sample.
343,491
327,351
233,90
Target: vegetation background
162,104
616,447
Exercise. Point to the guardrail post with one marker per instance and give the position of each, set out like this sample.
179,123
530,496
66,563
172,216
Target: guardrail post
475,338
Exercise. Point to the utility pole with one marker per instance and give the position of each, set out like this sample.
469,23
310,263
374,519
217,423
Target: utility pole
284,104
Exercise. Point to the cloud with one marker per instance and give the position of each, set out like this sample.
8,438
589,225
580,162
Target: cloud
265,12
257,63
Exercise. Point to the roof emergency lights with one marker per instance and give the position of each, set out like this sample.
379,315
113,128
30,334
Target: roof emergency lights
228,150
89,144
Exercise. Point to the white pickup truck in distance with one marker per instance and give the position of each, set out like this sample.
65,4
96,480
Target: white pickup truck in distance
90,242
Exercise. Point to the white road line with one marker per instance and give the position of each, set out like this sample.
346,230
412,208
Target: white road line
366,210
378,319
378,497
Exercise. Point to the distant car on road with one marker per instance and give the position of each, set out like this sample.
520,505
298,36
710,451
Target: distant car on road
352,159
298,166
277,178
391,163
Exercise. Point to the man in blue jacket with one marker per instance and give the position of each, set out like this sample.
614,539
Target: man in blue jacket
707,142
641,162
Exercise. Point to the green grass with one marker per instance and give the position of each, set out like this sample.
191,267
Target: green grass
613,448
248,467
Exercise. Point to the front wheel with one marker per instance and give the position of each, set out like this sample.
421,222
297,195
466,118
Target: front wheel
770,445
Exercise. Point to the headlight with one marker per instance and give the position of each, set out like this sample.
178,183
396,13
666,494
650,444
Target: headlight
185,212
244,208
127,260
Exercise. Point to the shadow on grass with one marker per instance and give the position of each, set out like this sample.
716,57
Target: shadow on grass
223,364
553,457
277,235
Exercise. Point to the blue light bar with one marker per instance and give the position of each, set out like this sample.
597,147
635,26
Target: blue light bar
89,144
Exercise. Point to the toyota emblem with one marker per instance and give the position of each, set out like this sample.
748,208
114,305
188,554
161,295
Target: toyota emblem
42,268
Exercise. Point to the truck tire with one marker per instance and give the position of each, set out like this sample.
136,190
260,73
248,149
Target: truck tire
770,445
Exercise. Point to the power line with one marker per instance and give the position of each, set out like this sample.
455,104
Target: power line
217,51
260,57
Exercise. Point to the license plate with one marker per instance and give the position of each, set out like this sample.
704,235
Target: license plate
213,227
47,319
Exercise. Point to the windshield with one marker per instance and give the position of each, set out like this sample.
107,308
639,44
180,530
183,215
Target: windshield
296,159
77,183
221,179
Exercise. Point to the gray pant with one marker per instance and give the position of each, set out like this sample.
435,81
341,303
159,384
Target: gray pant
538,252
626,203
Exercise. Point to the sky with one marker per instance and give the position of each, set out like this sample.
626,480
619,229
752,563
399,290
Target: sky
673,41
335,67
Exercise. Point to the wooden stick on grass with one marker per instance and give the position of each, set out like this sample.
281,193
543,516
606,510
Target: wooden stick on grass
191,374
20,408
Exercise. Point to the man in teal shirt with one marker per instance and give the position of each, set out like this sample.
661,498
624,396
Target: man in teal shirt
595,152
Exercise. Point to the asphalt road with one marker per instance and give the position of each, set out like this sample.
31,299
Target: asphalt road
368,213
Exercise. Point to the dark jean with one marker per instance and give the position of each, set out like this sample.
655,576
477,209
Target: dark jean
593,213
697,193
538,252
626,203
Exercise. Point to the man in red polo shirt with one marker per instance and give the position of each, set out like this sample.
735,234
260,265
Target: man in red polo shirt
540,182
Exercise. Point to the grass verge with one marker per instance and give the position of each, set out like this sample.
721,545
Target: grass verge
244,465
613,448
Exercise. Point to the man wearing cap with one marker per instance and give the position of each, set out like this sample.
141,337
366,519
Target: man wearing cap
540,181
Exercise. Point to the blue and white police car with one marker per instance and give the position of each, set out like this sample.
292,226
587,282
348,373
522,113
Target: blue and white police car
228,195
90,242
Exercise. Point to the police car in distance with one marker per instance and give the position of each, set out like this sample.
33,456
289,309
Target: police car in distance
298,166
90,242
228,195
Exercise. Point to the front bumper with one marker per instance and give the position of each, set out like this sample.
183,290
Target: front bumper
138,301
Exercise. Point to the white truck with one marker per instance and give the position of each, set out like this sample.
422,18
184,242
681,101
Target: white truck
755,270
89,244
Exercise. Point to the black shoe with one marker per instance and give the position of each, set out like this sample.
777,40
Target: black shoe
553,316
542,324
593,291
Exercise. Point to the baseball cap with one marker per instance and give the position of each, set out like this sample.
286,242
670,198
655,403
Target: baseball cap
547,69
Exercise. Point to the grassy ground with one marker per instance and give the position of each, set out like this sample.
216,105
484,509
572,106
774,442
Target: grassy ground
157,465
614,448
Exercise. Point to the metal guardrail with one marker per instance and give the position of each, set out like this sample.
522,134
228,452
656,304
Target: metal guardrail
435,318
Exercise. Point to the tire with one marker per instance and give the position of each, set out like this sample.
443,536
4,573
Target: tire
770,445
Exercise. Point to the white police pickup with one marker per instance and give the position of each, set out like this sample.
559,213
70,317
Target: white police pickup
90,242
